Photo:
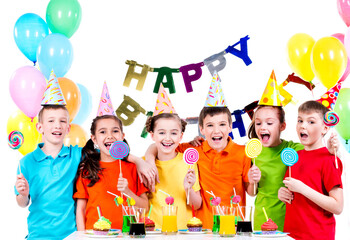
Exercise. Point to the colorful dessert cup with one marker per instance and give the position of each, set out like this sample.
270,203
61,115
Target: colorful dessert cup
269,227
194,225
102,226
149,224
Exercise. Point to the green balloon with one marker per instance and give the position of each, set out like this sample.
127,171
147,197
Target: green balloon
342,108
63,16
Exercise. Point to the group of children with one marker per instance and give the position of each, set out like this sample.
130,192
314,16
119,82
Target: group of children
303,205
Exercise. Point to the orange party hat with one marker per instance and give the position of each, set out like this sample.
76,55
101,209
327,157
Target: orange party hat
105,107
163,104
271,95
53,93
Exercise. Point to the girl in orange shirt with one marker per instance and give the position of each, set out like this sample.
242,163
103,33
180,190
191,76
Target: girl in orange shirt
98,173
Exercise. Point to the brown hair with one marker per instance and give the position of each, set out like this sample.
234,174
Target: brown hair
50,107
151,121
89,167
211,111
251,129
313,106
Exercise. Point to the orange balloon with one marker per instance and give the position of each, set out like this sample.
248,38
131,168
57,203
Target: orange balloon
76,136
72,96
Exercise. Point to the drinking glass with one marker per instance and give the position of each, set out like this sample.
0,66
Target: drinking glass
244,223
216,219
137,228
227,221
169,225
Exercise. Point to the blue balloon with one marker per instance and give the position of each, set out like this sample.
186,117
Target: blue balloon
85,106
30,29
55,53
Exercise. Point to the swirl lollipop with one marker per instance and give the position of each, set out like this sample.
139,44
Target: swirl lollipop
331,119
252,149
119,150
289,157
15,140
190,157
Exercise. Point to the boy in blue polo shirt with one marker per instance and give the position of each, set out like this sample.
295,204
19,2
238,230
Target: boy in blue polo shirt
48,173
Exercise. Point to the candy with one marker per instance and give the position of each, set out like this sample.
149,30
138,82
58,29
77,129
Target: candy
15,140
331,119
235,199
215,201
289,156
191,156
253,148
118,201
119,150
169,200
131,201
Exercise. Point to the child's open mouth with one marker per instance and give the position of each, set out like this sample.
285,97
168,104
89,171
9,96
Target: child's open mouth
57,133
303,136
265,137
217,139
108,145
167,144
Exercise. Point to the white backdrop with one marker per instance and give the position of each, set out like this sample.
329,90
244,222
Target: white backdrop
173,34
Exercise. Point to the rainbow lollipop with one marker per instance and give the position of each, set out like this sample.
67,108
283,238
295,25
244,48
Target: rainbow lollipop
15,140
289,157
191,156
119,150
331,119
252,149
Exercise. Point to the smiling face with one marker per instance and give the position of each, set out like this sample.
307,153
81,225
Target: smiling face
268,127
54,125
167,135
216,129
107,132
311,129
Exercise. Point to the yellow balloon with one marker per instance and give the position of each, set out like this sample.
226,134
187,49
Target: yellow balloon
299,49
18,121
328,60
76,136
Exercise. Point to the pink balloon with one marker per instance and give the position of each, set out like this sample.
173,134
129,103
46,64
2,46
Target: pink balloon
341,38
27,87
344,10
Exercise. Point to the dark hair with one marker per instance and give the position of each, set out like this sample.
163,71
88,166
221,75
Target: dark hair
151,121
313,106
211,111
89,167
281,116
50,107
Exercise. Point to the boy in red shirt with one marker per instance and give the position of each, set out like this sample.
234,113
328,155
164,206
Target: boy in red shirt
315,190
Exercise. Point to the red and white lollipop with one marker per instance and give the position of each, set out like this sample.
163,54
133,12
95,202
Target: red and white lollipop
190,157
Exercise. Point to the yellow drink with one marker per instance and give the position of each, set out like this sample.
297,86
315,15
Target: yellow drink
169,225
227,225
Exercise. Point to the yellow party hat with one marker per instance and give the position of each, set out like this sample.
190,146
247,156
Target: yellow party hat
271,95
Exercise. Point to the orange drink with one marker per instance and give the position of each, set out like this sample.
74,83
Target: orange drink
169,225
227,222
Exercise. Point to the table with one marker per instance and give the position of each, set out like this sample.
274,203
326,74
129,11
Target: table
79,235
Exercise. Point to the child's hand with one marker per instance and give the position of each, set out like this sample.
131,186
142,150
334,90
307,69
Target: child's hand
197,141
190,179
22,185
148,174
122,185
254,174
294,185
333,143
285,195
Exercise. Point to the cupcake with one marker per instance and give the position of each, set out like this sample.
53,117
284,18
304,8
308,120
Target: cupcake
149,224
194,225
269,227
102,226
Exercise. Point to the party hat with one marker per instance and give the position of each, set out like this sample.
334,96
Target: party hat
271,95
105,107
53,94
330,97
163,104
215,97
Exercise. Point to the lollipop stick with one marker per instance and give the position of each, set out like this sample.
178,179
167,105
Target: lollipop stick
254,182
193,215
20,172
120,168
335,158
99,211
290,171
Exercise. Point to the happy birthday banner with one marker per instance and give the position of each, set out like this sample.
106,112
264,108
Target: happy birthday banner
167,72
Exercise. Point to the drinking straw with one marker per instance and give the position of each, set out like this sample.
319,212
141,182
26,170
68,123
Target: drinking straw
150,210
239,207
164,192
267,219
112,193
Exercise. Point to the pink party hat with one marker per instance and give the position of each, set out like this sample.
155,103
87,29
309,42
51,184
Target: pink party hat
215,97
163,104
271,95
53,93
105,107
330,97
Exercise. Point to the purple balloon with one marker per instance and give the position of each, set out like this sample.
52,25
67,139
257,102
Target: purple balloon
27,87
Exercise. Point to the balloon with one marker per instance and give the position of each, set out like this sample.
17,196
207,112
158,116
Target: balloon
55,53
30,29
85,106
299,51
27,87
18,121
344,11
342,108
63,16
72,96
341,37
328,60
76,136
